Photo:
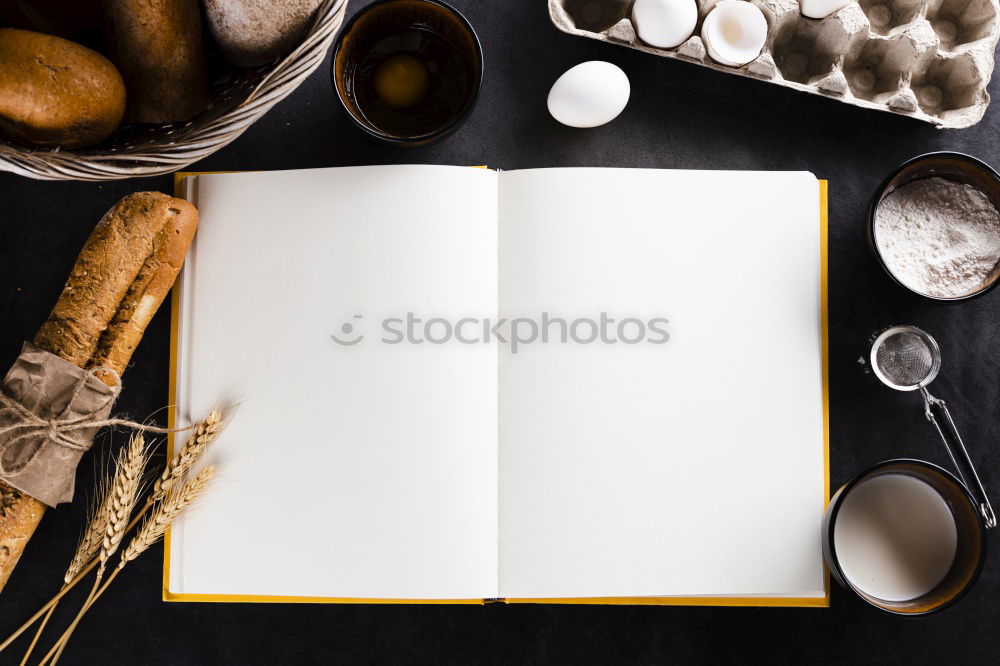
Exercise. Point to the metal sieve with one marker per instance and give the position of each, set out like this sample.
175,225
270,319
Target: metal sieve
906,358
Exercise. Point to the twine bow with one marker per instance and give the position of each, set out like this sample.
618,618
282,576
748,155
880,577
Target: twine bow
67,432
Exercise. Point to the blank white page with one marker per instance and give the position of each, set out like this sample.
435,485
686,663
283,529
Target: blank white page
693,467
349,471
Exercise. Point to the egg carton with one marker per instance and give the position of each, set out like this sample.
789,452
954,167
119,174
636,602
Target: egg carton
927,59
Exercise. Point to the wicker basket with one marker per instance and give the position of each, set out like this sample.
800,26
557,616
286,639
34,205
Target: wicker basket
153,150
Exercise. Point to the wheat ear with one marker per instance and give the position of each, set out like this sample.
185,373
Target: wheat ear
124,492
188,455
93,536
172,506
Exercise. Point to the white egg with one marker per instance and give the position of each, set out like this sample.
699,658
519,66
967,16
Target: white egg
734,32
818,9
664,23
590,94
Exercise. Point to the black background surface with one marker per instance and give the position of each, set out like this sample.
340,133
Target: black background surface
679,116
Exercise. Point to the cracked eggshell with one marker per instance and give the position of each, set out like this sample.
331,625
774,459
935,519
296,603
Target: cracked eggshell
818,9
590,94
664,24
734,32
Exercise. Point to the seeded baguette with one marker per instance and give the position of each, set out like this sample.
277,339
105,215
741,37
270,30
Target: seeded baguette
111,260
149,288
122,275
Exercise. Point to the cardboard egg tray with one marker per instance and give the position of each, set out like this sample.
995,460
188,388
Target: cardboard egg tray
927,59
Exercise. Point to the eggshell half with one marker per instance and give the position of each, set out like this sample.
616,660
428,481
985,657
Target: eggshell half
734,32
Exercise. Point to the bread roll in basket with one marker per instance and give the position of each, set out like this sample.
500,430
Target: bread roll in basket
150,150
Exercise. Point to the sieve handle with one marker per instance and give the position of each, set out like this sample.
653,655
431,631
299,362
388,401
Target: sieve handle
953,445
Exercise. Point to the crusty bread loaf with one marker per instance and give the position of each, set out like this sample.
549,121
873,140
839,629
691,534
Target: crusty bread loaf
123,273
157,45
254,32
56,93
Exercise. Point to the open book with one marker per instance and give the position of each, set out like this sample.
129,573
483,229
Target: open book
547,384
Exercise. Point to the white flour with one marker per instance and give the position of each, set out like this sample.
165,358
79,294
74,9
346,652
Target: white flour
938,237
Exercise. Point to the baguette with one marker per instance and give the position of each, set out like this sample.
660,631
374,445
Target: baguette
149,287
111,260
122,275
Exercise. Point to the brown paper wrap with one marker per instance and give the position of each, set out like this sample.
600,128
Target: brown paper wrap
50,412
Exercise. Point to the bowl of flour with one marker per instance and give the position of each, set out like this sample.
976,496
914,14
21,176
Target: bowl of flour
934,225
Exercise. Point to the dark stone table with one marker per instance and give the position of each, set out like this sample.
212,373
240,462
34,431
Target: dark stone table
679,116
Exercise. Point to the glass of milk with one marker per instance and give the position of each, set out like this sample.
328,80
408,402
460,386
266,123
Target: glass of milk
905,536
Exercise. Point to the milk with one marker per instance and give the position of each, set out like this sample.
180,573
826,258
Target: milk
895,537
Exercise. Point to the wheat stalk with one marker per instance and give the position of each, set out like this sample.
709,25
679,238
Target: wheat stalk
123,492
188,455
86,549
168,506
93,536
167,512
84,560
122,499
